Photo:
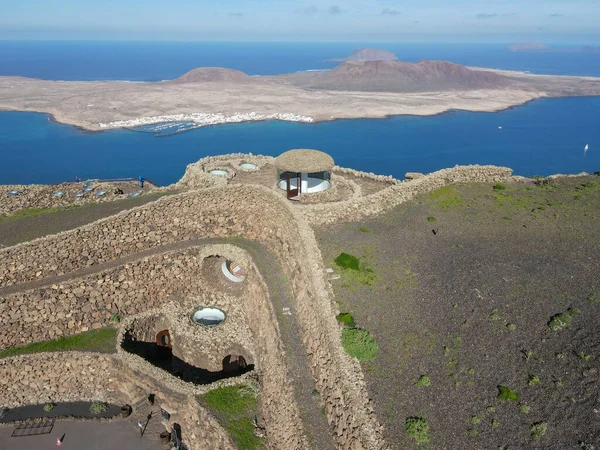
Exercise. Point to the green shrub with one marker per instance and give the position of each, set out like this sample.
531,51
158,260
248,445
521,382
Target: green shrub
495,315
538,430
431,219
346,319
418,429
365,230
347,261
98,407
562,320
511,326
499,187
524,408
359,344
235,407
504,393
423,381
49,407
475,420
533,380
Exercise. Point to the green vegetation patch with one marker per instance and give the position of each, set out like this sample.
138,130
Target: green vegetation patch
499,187
355,271
418,429
49,407
103,340
359,344
346,319
538,430
235,407
98,407
504,393
30,212
562,320
365,229
347,261
446,197
423,381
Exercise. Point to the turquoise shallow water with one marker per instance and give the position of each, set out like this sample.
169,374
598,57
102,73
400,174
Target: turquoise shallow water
543,137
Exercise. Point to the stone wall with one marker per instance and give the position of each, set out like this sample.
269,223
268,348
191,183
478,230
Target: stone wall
40,195
396,194
256,214
170,287
78,376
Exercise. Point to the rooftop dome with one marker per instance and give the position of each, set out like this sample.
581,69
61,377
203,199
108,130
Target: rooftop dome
304,160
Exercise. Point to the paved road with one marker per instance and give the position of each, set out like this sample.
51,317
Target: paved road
92,435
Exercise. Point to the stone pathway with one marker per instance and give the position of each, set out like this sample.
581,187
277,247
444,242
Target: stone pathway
307,397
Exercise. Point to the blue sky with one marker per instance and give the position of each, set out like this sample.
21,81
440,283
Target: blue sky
553,21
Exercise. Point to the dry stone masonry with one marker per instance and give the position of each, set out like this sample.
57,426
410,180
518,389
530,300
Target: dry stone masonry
163,285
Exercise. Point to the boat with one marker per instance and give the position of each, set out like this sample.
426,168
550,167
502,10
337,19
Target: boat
499,128
587,146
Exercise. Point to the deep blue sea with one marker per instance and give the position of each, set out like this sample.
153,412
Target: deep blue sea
543,137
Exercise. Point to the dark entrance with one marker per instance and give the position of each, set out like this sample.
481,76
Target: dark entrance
234,364
293,194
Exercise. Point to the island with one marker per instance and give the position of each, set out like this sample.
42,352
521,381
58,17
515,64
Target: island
536,47
353,89
368,54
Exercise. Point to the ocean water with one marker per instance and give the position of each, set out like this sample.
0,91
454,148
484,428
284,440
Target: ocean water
154,61
543,137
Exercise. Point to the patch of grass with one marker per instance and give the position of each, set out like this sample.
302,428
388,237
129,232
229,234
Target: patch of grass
533,380
475,420
583,356
494,316
346,319
504,393
498,187
235,407
355,271
49,407
423,381
446,197
562,320
418,429
98,407
103,340
524,408
347,261
30,212
431,219
538,430
511,326
365,230
359,344
495,423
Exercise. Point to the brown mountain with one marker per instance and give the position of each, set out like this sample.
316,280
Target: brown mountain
369,54
397,76
212,74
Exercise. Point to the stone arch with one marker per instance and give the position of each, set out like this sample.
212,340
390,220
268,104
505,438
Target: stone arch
163,339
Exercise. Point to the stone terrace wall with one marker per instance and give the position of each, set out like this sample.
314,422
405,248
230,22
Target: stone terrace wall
402,192
40,195
78,376
249,211
171,283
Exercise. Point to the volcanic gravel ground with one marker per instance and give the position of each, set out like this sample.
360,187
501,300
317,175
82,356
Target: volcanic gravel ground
467,279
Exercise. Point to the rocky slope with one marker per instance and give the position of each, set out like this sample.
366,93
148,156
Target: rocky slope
397,76
214,74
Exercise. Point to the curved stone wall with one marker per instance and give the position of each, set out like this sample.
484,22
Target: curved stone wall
256,214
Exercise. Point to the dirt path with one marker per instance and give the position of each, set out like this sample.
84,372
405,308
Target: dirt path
14,231
307,398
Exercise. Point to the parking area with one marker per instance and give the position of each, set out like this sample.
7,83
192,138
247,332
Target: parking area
90,435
